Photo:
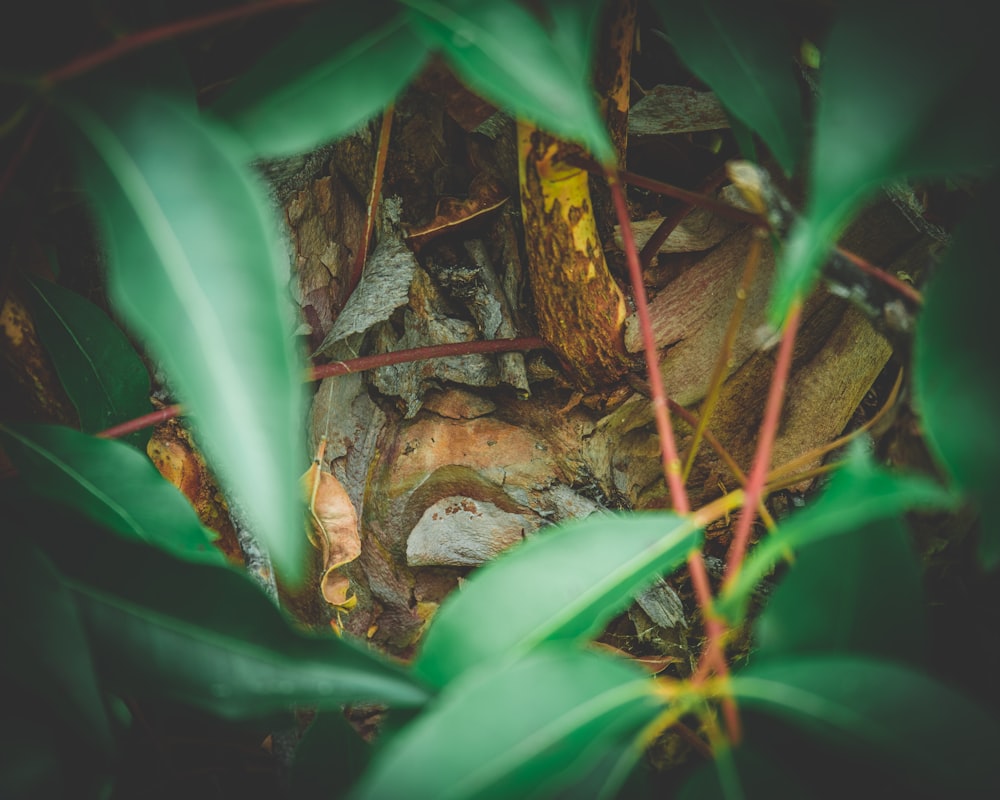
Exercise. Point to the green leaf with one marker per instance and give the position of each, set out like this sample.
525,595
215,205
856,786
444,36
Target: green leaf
754,773
343,65
563,583
519,731
331,756
196,269
46,649
209,637
741,51
860,592
111,483
900,95
956,375
857,494
96,364
505,53
934,732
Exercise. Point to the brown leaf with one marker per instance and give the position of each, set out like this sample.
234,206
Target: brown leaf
485,195
334,530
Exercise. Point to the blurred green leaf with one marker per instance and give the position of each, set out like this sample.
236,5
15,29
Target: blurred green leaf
342,66
932,731
956,374
518,731
743,52
860,592
858,493
563,583
756,774
96,364
508,55
901,94
112,484
46,650
209,637
197,269
330,757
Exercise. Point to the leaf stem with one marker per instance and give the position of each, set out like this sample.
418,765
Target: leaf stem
765,443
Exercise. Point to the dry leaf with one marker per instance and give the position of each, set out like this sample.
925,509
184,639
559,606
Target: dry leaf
333,530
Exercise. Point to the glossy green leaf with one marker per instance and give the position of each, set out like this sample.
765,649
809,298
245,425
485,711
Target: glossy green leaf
97,365
46,649
956,374
523,730
111,483
904,716
504,52
741,51
900,95
195,266
209,637
860,592
563,583
342,66
859,493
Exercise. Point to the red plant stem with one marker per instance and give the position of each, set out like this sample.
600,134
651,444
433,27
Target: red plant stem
668,448
380,156
762,456
672,220
355,365
145,421
887,278
141,39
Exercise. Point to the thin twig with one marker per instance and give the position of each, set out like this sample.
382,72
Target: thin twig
354,365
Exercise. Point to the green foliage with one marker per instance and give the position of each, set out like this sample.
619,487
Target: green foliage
957,378
858,494
931,731
325,79
742,52
110,587
101,372
503,51
111,483
521,729
901,94
564,584
193,256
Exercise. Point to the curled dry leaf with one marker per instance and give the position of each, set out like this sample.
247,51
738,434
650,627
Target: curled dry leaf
485,195
333,530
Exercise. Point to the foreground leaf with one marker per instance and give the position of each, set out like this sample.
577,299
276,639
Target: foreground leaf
97,365
563,583
338,69
46,649
860,592
209,637
741,51
956,374
521,731
111,483
857,494
505,53
194,267
889,710
900,95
